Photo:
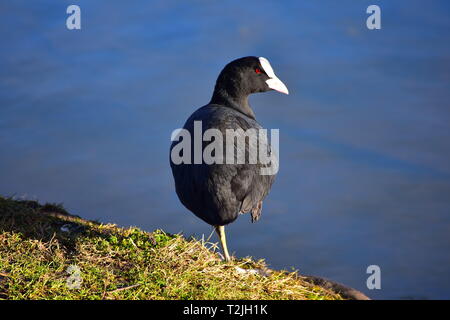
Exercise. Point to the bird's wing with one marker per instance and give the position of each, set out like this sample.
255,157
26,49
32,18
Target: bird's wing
248,185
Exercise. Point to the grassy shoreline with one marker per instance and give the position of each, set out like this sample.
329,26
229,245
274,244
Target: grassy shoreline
38,244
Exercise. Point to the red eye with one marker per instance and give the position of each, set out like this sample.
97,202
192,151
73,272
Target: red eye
258,70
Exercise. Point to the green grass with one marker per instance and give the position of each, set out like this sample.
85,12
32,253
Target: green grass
124,263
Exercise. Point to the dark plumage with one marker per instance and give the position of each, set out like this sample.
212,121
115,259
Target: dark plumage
218,193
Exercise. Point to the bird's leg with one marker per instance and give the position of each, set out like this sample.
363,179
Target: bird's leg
223,241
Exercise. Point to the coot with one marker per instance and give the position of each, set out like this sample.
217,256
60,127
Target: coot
231,182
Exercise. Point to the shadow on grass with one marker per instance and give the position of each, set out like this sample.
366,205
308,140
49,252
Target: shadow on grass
45,222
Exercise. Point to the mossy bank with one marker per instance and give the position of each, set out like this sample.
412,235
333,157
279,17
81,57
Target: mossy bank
46,253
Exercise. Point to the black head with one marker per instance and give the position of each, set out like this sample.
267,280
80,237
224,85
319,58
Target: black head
242,77
249,75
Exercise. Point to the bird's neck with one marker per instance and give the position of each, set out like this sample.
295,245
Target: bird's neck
238,101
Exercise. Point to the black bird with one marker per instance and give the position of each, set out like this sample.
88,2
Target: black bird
217,192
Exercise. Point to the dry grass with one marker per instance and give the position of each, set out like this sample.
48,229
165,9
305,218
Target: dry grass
118,263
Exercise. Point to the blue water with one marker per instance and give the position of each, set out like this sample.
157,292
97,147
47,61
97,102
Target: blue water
86,118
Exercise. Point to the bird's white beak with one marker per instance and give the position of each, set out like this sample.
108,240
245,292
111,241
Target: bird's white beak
273,82
276,84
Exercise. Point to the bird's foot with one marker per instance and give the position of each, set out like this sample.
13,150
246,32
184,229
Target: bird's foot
225,258
256,212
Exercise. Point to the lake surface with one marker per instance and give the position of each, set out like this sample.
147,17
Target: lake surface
86,118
